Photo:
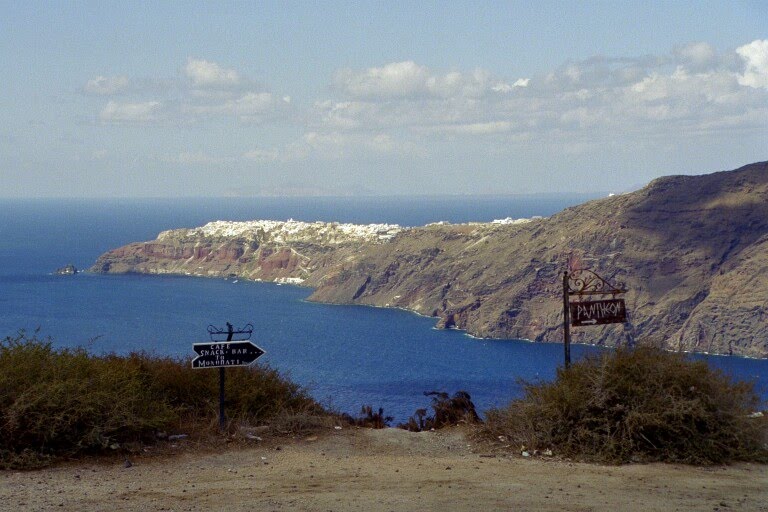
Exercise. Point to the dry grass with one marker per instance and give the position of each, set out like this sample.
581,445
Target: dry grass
636,405
62,402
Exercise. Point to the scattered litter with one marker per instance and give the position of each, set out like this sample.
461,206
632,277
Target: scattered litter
177,437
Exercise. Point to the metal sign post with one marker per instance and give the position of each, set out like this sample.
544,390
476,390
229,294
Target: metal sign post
221,353
566,322
222,417
585,283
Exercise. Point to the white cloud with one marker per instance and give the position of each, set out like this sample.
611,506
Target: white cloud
693,89
248,107
583,117
252,103
397,79
193,158
476,128
401,108
403,113
335,145
197,158
521,82
144,112
755,55
453,84
261,155
204,90
410,80
505,87
697,55
204,73
106,85
211,95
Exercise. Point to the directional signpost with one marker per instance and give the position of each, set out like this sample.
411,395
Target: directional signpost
220,354
585,283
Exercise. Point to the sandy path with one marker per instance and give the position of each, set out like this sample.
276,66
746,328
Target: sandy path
387,470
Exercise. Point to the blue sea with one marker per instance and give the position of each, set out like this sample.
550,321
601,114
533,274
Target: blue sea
347,356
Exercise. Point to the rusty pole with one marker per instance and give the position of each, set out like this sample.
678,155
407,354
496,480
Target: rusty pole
222,417
566,322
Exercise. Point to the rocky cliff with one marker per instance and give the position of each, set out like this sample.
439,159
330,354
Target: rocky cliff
290,251
691,250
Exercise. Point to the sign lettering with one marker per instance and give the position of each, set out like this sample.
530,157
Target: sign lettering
598,312
222,354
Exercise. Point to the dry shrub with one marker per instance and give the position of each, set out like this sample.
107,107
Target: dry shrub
63,402
636,405
447,411
369,418
56,402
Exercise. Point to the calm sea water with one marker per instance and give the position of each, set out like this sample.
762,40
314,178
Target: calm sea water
348,356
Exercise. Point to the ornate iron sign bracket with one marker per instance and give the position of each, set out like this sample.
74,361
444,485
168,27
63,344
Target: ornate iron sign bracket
586,282
242,334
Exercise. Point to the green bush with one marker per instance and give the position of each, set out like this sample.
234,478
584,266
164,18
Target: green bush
56,402
636,405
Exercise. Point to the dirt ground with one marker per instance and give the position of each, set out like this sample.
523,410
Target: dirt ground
387,470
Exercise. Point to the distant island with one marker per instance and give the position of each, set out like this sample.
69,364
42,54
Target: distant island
691,250
66,270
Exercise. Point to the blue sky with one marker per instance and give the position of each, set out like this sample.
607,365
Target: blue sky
139,99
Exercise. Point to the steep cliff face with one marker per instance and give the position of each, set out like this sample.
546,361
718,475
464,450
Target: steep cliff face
691,250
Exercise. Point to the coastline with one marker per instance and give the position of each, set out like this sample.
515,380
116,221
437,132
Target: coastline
465,332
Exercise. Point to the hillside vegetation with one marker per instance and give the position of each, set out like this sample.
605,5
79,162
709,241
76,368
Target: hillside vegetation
637,405
64,402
